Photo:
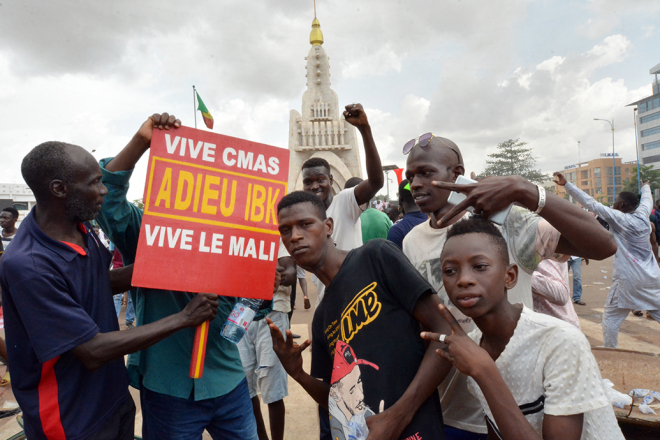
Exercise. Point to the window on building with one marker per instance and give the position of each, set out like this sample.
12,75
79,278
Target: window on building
598,182
610,200
599,190
649,118
651,131
609,171
610,191
626,170
618,181
642,108
585,174
585,183
21,206
651,145
597,171
651,159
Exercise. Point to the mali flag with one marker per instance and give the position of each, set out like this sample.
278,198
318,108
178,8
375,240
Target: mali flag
208,119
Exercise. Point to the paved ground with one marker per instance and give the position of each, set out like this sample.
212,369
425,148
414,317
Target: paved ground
638,334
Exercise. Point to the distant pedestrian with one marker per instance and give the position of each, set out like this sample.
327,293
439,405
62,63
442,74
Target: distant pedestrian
575,264
8,219
412,216
550,292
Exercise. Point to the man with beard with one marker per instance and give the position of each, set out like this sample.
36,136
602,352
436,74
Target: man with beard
64,345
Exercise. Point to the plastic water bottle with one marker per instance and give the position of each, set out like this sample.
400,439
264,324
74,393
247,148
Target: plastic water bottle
240,318
357,427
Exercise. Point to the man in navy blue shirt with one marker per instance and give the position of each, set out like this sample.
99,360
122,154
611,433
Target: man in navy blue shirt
65,349
412,216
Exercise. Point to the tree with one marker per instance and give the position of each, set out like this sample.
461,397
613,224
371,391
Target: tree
139,204
646,173
512,158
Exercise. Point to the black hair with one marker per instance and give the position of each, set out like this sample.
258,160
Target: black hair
404,194
317,162
47,162
478,225
297,197
353,181
13,211
629,199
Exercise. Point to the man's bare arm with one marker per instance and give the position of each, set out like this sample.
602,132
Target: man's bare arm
581,234
368,188
104,347
120,279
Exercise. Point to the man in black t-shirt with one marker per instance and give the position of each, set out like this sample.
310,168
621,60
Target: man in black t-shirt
367,351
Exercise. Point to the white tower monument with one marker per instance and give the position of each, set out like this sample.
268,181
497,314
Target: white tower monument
321,130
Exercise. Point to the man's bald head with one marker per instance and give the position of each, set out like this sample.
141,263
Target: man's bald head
441,151
52,161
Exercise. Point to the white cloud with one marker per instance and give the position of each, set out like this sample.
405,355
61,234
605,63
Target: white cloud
380,62
551,64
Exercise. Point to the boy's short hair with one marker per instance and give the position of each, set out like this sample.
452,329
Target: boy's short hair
352,182
297,197
317,162
630,199
13,211
478,225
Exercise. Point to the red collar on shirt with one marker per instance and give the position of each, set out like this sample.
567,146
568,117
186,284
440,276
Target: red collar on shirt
75,247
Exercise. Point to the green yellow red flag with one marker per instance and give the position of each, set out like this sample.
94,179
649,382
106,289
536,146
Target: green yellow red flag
208,119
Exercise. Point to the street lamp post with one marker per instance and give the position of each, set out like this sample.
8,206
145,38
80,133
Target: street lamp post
613,156
388,168
639,180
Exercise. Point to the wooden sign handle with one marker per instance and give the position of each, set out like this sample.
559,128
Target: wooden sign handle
199,350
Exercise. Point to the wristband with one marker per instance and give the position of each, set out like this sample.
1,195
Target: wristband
541,199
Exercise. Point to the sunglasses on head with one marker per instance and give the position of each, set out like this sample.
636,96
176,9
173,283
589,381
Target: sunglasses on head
423,141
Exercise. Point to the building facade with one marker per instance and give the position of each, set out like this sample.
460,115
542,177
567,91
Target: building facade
321,130
647,120
595,177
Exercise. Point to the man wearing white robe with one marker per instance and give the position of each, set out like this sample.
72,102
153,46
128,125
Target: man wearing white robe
636,277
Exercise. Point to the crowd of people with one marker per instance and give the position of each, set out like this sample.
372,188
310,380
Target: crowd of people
431,322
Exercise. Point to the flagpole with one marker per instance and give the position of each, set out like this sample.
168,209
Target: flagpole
194,109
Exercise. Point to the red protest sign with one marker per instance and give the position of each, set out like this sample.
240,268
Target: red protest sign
210,214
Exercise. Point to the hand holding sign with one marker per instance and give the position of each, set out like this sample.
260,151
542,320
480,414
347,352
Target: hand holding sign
468,357
210,201
203,307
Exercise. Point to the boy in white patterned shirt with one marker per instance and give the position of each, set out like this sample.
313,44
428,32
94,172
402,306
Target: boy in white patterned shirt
534,375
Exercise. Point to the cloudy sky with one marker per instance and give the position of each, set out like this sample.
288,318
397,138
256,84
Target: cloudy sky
478,72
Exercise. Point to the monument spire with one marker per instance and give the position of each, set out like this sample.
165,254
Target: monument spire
316,36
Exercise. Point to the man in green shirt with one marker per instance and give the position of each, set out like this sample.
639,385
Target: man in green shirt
375,223
174,406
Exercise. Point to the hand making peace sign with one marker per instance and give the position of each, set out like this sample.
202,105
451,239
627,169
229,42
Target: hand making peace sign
461,350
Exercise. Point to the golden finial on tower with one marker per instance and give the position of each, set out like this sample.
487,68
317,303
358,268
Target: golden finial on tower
316,36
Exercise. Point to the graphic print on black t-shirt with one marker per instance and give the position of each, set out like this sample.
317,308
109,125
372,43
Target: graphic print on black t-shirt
365,339
346,392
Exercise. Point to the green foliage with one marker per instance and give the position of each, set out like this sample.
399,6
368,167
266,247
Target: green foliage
512,158
646,173
139,204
